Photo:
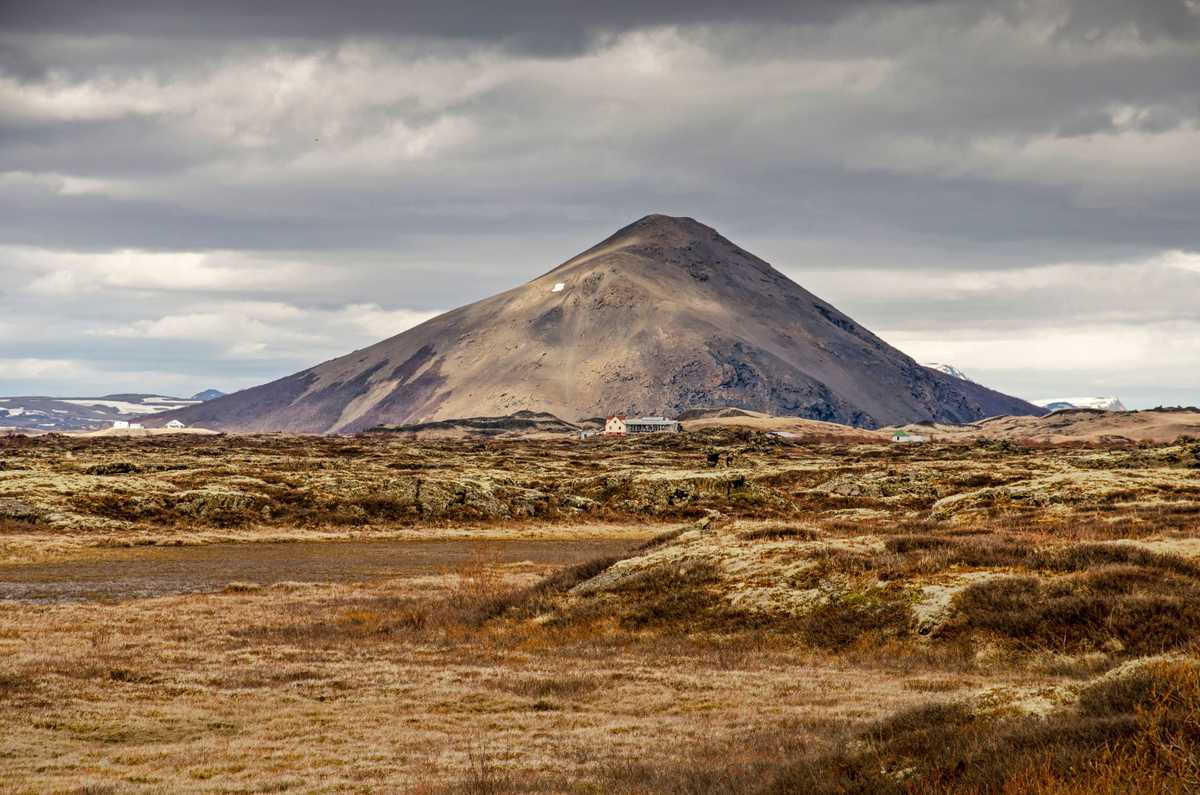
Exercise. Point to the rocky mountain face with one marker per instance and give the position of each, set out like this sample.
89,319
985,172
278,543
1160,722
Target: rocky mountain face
663,316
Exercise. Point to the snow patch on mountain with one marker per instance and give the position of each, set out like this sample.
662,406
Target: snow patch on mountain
150,405
949,370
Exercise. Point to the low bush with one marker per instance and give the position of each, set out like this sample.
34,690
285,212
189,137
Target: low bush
1134,609
659,540
780,533
841,623
113,468
543,687
18,526
671,596
13,684
124,507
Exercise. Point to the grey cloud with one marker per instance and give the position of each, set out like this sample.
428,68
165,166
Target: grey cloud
126,147
966,220
1087,122
1089,20
431,154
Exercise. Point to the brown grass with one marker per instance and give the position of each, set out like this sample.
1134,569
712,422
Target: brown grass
1146,738
491,678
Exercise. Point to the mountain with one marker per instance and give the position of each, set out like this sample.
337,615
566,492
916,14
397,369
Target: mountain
663,316
1102,403
948,369
208,394
39,413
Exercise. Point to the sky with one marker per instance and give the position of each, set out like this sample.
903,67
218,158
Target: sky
218,194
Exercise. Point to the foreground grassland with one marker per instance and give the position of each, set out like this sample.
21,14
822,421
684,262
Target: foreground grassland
771,617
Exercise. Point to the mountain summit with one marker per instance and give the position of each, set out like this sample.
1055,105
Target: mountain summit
663,316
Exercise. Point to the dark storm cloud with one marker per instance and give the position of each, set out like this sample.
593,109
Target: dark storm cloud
559,26
540,25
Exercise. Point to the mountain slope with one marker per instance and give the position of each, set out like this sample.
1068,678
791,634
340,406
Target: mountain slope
663,316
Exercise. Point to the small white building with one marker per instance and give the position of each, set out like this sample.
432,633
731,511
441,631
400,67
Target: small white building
619,426
174,425
136,426
120,424
904,437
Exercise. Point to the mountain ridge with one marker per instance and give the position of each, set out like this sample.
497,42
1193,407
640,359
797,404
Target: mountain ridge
1103,403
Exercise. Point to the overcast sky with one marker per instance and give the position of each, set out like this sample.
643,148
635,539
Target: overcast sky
217,194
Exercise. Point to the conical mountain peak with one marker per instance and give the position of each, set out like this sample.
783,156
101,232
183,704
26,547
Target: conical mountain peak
661,240
658,223
664,229
662,316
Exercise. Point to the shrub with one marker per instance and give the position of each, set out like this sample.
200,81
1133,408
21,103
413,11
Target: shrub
780,533
1120,694
542,687
671,596
916,543
14,684
841,623
565,579
113,468
658,540
1072,615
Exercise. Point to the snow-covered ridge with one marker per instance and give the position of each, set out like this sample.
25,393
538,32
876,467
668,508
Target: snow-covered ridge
152,405
1102,403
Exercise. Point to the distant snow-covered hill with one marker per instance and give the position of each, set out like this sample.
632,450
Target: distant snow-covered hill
208,394
40,413
1102,403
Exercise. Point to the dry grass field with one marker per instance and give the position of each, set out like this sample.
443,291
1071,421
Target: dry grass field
716,611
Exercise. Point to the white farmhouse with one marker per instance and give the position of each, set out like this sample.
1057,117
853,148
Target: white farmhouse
175,425
120,424
619,426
